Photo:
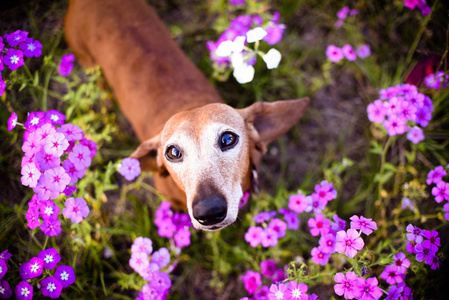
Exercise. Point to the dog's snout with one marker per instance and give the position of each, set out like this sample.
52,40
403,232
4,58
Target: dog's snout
211,210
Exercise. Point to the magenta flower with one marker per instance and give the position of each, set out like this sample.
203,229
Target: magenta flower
55,117
401,262
415,135
395,125
414,233
51,287
391,275
65,275
319,225
75,209
268,267
160,281
66,65
433,241
446,210
363,51
23,291
365,225
327,243
264,216
30,175
277,292
3,268
237,2
49,210
279,276
73,170
91,145
139,262
251,281
278,226
441,191
324,192
348,242
349,52
55,144
346,284
16,37
161,257
45,190
343,12
50,257
5,255
296,291
334,53
44,131
436,175
142,244
12,121
292,220
182,237
33,220
367,289
319,256
423,253
31,47
254,235
5,289
269,238
46,161
71,132
274,34
57,179
130,168
376,111
2,82
51,227
338,224
297,203
13,58
35,267
35,120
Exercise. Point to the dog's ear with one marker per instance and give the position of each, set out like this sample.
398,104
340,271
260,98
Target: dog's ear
267,121
147,154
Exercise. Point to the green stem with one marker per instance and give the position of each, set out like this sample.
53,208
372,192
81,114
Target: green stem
45,244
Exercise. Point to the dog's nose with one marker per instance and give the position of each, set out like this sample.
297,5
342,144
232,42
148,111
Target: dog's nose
210,211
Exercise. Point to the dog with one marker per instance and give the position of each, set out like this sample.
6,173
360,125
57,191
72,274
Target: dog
202,151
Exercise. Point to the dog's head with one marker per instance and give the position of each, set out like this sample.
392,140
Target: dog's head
203,157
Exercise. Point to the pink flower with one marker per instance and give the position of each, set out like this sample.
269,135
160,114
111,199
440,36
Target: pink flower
139,261
319,225
31,145
327,243
75,209
51,227
433,241
50,257
46,161
55,144
251,281
66,64
365,225
349,52
446,210
130,168
57,179
142,244
55,117
182,237
71,132
415,135
296,291
31,47
161,257
376,111
43,132
254,235
45,190
277,292
319,256
268,267
348,242
441,191
12,121
35,267
346,285
80,156
415,234
75,172
30,175
32,218
49,210
297,203
367,289
91,145
395,125
363,51
436,175
401,262
334,53
278,226
343,12
391,275
270,238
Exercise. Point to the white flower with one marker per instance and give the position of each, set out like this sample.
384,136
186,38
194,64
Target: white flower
244,74
255,34
228,47
237,60
272,58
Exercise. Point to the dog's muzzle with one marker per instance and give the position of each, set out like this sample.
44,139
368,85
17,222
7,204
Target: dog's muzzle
210,211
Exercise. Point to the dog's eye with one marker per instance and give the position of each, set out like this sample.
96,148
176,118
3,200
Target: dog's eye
228,140
173,153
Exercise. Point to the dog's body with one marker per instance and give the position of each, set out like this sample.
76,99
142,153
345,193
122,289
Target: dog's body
201,150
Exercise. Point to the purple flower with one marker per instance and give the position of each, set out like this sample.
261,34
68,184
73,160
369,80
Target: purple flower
50,257
264,216
55,144
325,191
71,132
339,224
319,225
279,276
23,291
91,145
320,256
274,33
365,225
434,262
367,289
343,12
270,238
277,292
65,275
334,53
363,51
376,111
30,175
395,125
160,281
436,175
45,190
66,65
394,292
391,275
16,37
237,2
297,203
415,135
142,244
2,82
139,261
348,242
278,226
33,220
35,267
254,235
5,256
349,52
75,209
296,291
251,281
51,227
415,234
346,285
49,210
3,268
51,287
73,170
268,267
46,161
31,47
327,243
446,210
436,80
5,290
401,262
313,297
57,179
441,191
44,131
12,121
55,117
161,257
130,168
423,253
182,237
292,220
433,241
13,59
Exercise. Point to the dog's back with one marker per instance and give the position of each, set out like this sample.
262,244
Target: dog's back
150,75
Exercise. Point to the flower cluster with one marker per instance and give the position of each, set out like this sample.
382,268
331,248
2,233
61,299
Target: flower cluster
55,158
149,266
231,50
423,243
174,225
21,45
130,168
420,4
343,13
66,65
399,109
351,286
438,80
252,281
336,54
290,291
441,188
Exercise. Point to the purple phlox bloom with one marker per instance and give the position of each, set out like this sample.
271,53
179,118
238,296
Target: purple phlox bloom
388,92
139,261
270,238
436,175
75,209
160,281
71,132
65,275
325,190
181,220
262,293
348,242
338,23
425,10
130,168
376,111
277,292
367,289
297,203
46,161
31,145
279,276
16,37
30,175
182,237
278,226
55,144
395,124
415,135
44,131
24,271
23,291
292,220
319,225
408,111
334,53
31,47
35,267
55,117
406,293
32,217
338,224
35,202
12,120
161,257
57,179
91,145
349,52
433,241
410,247
391,274
66,65
423,253
343,12
3,268
49,210
5,255
414,234
434,262
35,120
51,227
436,80
5,289
320,256
251,281
73,170
165,228
365,225
315,203
142,244
313,297
446,210
268,267
327,243
274,33
441,191
51,287
296,291
45,190
2,83
254,235
264,216
363,51
50,257
401,262
346,284
69,190
394,292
